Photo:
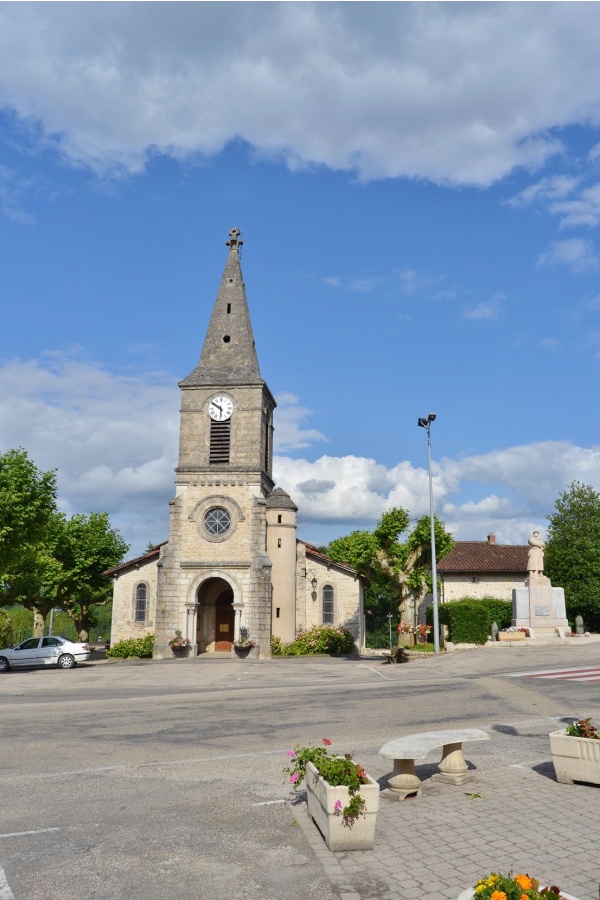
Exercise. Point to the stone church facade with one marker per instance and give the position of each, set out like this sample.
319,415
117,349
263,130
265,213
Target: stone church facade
232,557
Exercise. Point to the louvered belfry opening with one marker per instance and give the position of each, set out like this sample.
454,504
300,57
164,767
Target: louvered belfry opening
220,441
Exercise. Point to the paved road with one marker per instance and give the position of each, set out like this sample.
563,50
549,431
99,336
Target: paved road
163,779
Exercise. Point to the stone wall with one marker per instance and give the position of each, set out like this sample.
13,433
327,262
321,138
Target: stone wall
347,593
124,625
455,586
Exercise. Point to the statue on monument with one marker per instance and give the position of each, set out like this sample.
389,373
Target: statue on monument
535,557
539,607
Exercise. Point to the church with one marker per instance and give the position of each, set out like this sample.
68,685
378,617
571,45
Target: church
232,558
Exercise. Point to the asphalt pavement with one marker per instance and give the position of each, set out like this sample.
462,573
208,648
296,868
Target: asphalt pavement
146,780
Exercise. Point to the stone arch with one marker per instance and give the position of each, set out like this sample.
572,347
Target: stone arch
215,594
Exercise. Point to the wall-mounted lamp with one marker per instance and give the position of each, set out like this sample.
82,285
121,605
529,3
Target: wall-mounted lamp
312,575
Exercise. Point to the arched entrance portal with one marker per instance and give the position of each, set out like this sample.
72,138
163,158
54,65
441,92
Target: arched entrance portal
216,616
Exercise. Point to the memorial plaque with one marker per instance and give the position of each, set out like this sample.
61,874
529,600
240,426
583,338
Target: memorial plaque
542,610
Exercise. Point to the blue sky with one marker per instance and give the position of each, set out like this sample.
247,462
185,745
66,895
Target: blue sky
418,187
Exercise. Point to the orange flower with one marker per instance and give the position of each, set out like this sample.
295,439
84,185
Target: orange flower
524,881
498,895
523,897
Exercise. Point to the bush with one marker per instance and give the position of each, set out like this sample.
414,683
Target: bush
469,619
20,625
141,647
5,629
320,639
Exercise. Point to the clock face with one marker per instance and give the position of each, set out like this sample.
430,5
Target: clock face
220,409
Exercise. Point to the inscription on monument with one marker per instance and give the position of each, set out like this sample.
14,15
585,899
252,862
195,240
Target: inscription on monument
542,610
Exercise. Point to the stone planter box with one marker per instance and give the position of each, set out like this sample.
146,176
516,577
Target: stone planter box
575,758
321,798
470,895
511,635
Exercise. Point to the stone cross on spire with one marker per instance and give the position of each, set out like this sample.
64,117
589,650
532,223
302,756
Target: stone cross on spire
235,238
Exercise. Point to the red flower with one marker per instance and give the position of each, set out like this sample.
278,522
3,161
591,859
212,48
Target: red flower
326,741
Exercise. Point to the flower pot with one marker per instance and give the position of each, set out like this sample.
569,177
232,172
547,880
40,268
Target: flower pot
242,652
321,798
575,758
511,635
181,652
469,894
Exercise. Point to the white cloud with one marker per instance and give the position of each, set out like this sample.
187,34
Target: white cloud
552,188
486,309
550,344
520,485
361,285
456,93
578,254
585,210
289,432
113,439
12,191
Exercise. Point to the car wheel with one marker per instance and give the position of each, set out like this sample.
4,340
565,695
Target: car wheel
66,661
4,666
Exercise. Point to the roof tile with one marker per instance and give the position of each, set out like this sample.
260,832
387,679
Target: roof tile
481,556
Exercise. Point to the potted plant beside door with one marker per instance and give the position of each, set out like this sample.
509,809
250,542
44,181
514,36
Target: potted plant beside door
242,645
180,646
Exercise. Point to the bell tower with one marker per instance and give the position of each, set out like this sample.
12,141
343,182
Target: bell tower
214,575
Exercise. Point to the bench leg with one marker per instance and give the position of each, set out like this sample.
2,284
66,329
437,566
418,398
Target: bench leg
453,768
404,781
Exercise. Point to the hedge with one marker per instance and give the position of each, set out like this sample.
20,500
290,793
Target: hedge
320,639
470,619
142,647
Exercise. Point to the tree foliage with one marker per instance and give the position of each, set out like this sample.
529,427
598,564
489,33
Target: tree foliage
399,570
572,559
27,502
57,561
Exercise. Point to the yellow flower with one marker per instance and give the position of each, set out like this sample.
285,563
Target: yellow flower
492,880
479,887
498,895
524,881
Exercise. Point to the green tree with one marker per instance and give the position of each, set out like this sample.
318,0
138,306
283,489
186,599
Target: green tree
64,569
572,558
396,568
32,580
87,546
27,502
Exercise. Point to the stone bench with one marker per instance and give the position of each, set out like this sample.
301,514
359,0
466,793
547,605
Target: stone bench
452,768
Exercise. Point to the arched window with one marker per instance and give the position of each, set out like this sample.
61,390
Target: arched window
327,605
141,596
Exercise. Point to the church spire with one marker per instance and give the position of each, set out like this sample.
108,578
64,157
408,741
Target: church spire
228,356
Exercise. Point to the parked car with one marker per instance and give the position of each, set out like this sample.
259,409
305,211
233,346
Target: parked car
44,651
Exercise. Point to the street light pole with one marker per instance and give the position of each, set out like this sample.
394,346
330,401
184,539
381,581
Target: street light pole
426,423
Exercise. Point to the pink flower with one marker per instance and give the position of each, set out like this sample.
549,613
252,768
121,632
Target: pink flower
326,741
294,778
337,806
291,753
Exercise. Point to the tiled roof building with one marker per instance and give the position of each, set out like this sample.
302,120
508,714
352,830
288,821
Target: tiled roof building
483,569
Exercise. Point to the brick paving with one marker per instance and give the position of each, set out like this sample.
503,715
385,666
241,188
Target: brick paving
440,843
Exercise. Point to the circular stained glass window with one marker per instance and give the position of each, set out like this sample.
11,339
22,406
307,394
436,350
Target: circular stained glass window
217,520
